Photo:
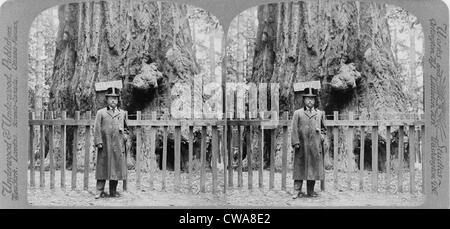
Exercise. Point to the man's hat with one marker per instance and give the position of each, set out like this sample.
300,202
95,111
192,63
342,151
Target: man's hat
310,92
112,91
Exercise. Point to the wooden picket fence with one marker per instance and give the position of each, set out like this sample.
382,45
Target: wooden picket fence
249,107
222,136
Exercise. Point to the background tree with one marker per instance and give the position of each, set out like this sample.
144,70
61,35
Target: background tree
345,45
147,45
41,53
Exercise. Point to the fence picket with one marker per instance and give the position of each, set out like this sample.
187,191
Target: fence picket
63,150
51,146
422,137
375,158
42,154
138,151
261,154
153,166
349,148
400,159
361,158
252,100
248,139
215,152
230,155
412,158
164,158
87,144
177,157
225,159
273,145
240,148
75,152
388,158
191,152
127,154
284,149
203,159
335,150
31,152
275,98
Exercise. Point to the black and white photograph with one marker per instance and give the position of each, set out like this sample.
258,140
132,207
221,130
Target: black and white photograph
294,104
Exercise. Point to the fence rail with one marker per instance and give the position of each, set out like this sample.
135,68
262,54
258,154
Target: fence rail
222,141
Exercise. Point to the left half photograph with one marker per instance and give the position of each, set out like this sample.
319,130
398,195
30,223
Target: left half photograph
120,96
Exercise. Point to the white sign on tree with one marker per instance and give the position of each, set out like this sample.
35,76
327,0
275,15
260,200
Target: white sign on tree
103,86
300,86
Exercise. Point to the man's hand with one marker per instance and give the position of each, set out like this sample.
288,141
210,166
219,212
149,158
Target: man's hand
297,146
99,145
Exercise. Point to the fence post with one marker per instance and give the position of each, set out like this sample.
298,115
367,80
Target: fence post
203,159
375,157
87,147
400,158
335,150
191,152
75,152
138,152
42,151
63,150
349,147
261,154
240,149
231,96
388,158
164,157
31,151
153,166
284,149
127,154
412,158
225,159
177,157
215,152
422,137
262,87
252,112
249,155
51,153
361,155
273,144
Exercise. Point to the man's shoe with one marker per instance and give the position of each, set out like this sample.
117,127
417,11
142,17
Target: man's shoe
313,194
115,194
101,195
299,195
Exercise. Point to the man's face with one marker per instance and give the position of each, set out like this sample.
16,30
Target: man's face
309,102
112,101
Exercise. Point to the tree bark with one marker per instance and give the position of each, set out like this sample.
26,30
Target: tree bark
120,40
304,41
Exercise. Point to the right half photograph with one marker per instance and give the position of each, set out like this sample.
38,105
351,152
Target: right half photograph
328,99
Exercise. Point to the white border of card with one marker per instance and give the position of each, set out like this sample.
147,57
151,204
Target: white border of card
16,17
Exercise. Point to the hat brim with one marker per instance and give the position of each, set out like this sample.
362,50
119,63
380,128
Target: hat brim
112,95
309,95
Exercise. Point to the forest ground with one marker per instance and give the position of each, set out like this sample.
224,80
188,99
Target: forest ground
235,197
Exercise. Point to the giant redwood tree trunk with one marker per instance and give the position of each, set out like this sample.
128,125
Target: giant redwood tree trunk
145,44
344,44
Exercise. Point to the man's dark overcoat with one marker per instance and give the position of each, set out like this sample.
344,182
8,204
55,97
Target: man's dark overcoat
308,130
111,130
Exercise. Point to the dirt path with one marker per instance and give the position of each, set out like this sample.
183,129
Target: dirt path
235,197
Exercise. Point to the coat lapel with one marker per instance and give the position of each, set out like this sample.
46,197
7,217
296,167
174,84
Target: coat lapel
109,111
311,114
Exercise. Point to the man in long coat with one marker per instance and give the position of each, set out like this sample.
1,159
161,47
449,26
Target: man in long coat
308,133
110,134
